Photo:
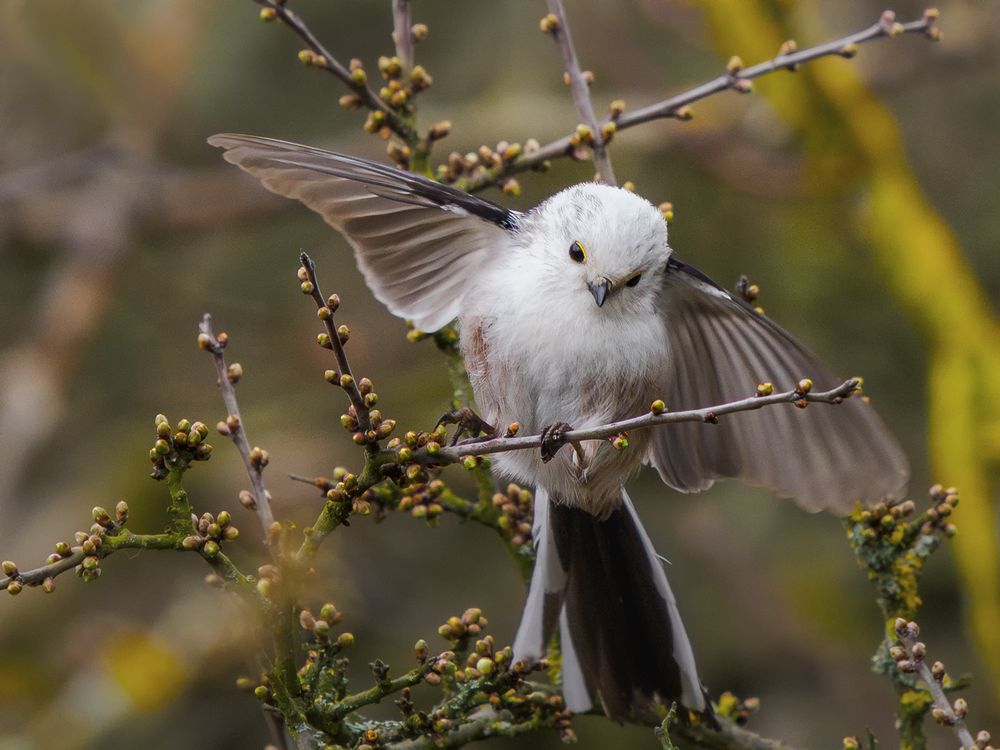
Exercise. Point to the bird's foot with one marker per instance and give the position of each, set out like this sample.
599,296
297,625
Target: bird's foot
468,423
553,438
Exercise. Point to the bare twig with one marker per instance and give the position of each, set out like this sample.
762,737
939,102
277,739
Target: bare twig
252,459
337,336
401,33
912,659
650,419
736,78
557,25
326,61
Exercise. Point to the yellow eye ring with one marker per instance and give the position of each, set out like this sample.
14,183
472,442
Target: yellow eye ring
577,253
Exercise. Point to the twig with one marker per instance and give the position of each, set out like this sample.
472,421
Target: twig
912,660
401,33
329,63
650,419
325,312
234,423
580,89
112,543
735,77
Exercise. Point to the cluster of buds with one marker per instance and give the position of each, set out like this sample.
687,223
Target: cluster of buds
457,630
178,446
90,542
486,162
379,428
735,709
515,514
422,501
208,533
885,521
411,473
943,502
320,625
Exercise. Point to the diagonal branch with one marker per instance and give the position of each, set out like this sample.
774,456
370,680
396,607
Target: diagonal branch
322,58
656,416
337,337
735,78
253,459
557,25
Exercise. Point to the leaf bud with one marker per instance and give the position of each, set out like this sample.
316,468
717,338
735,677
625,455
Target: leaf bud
549,24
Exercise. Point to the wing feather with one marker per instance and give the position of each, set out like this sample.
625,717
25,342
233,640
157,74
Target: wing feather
825,457
416,242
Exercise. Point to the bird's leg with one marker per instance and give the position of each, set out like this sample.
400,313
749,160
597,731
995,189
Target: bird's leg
469,423
553,438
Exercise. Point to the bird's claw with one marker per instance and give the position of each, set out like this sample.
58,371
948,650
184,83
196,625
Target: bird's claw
468,422
553,438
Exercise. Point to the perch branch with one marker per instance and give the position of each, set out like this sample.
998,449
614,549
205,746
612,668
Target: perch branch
580,89
652,418
234,423
735,77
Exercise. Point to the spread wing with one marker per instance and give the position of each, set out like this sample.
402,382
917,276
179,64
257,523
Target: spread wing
416,242
824,457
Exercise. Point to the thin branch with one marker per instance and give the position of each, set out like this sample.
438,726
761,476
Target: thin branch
580,89
234,423
912,660
326,61
735,78
650,419
123,540
325,311
401,33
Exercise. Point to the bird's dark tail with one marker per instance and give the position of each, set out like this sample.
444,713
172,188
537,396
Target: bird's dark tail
622,640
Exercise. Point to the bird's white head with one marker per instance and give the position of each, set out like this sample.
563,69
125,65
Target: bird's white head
605,246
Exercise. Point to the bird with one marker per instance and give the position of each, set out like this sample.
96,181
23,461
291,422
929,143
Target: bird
575,314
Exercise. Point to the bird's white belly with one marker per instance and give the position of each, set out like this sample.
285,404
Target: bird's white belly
538,368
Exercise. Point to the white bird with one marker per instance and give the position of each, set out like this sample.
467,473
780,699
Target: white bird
577,313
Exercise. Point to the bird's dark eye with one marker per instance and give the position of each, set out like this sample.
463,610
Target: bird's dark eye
634,280
577,253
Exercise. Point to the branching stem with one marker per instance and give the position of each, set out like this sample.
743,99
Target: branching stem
676,106
580,90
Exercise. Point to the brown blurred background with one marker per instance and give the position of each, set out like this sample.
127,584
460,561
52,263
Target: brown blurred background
860,195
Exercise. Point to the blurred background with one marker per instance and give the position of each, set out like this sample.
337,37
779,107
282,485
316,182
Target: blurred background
861,195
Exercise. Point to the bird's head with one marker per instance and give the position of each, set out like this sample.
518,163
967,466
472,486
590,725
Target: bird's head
605,246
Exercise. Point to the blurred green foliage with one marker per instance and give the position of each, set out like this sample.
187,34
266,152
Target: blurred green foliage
860,194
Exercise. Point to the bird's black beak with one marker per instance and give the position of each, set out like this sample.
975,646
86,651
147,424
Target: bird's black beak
600,290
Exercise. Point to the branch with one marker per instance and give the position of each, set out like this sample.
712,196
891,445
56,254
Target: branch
801,396
555,23
323,59
910,658
402,34
335,340
101,546
736,77
254,460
